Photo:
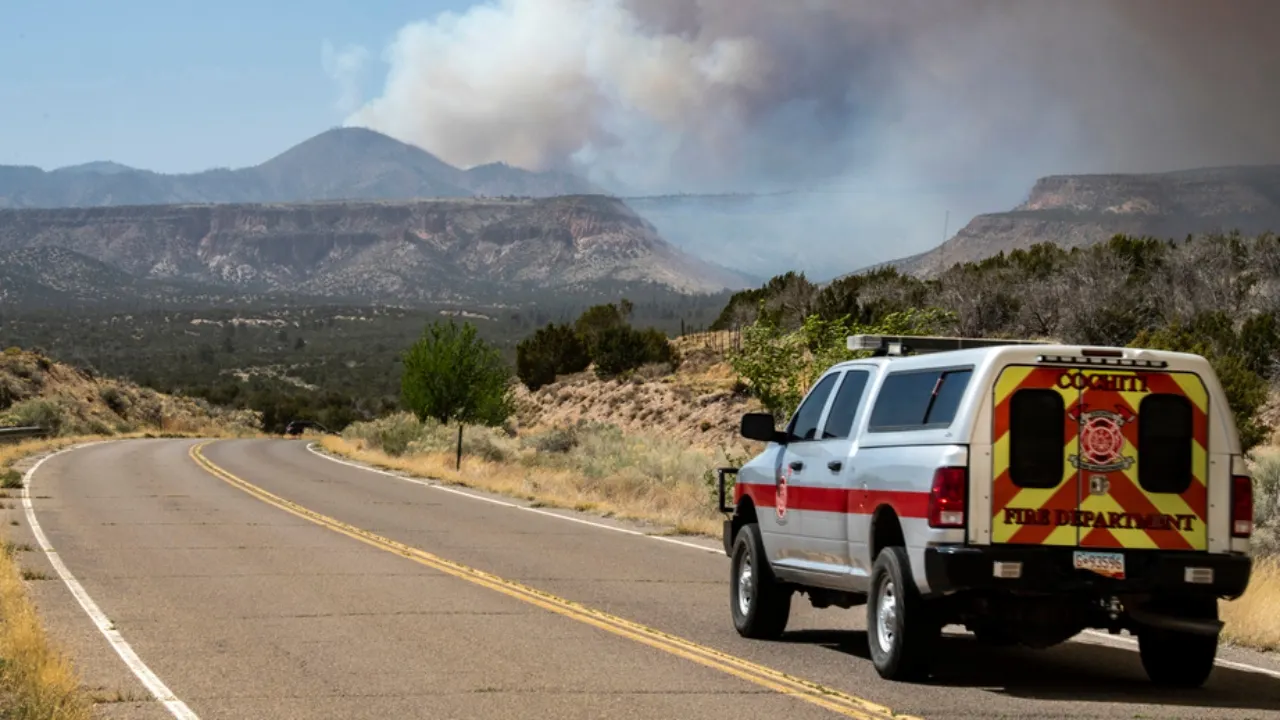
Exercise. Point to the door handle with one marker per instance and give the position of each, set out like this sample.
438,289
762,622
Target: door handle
835,465
797,465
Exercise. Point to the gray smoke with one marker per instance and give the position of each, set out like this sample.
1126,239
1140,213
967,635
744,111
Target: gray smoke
959,104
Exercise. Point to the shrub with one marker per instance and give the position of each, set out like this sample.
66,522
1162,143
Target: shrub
551,351
8,395
10,480
115,399
38,413
483,445
620,349
599,319
779,365
623,349
392,434
1266,490
560,440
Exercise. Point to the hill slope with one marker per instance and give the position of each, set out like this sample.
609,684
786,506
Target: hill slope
36,391
338,164
407,252
1082,210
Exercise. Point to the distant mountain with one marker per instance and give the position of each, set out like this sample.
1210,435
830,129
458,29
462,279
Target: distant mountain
1080,210
387,252
100,167
339,164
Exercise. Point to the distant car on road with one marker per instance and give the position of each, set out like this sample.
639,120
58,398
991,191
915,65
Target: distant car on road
297,427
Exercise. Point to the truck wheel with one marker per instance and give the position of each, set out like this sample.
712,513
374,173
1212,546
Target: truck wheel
901,629
760,604
1177,659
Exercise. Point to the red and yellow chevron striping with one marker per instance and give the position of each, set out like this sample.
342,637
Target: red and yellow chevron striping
1099,501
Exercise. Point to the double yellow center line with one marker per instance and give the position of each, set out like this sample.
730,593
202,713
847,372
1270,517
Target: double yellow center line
820,695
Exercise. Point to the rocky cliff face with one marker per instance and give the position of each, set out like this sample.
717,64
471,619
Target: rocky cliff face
1080,210
431,250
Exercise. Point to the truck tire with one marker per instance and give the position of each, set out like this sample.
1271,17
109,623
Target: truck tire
760,604
1177,659
901,627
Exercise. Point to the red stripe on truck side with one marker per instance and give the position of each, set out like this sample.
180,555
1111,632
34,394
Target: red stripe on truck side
837,500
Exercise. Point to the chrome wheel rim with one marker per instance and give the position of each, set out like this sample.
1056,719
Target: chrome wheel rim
886,616
744,584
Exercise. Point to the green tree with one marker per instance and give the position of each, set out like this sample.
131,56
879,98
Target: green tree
452,375
598,319
551,351
779,366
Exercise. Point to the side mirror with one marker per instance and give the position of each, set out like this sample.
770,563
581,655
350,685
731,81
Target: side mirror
759,426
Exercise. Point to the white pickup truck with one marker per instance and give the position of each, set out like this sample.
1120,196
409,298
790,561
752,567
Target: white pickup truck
1023,490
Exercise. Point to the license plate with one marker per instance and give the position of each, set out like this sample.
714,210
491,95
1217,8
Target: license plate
1107,564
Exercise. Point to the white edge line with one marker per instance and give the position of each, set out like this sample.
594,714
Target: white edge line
1128,643
144,674
1133,644
503,503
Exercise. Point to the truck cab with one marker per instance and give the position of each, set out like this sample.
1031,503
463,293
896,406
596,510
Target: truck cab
1027,491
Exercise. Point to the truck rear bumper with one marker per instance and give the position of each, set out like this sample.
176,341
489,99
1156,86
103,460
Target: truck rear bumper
1051,570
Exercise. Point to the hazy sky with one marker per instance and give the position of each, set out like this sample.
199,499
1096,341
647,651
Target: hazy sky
176,85
900,109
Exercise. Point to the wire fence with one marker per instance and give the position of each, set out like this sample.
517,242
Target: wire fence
719,341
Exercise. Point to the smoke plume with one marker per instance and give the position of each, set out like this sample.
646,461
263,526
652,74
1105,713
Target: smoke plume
963,102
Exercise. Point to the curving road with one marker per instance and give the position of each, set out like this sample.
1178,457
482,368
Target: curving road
257,579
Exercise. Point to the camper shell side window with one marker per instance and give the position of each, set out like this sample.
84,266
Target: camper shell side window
919,399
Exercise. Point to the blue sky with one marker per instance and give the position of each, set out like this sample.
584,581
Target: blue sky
180,86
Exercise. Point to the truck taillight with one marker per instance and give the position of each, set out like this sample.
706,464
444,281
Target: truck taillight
1241,506
948,497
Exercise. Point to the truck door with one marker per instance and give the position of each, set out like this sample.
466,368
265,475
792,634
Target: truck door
802,459
1105,458
1143,458
825,523
1033,437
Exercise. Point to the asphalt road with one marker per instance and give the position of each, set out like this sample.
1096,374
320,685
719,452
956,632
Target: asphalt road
274,583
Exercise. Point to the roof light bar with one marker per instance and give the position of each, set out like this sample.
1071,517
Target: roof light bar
899,345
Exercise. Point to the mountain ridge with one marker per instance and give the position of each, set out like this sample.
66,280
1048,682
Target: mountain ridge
1083,210
348,163
419,251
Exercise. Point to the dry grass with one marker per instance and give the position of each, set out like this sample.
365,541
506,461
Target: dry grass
37,681
592,467
1254,619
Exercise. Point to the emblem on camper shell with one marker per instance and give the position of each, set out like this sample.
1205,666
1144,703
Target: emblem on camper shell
1101,441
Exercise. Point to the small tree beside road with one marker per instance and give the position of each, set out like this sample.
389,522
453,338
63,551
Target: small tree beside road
451,375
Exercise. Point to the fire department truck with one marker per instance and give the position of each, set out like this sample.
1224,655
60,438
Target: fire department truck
1025,491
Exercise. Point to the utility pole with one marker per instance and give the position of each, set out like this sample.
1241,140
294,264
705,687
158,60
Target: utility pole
946,224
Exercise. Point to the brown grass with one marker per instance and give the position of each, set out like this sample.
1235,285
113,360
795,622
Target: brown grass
601,470
1254,619
37,680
